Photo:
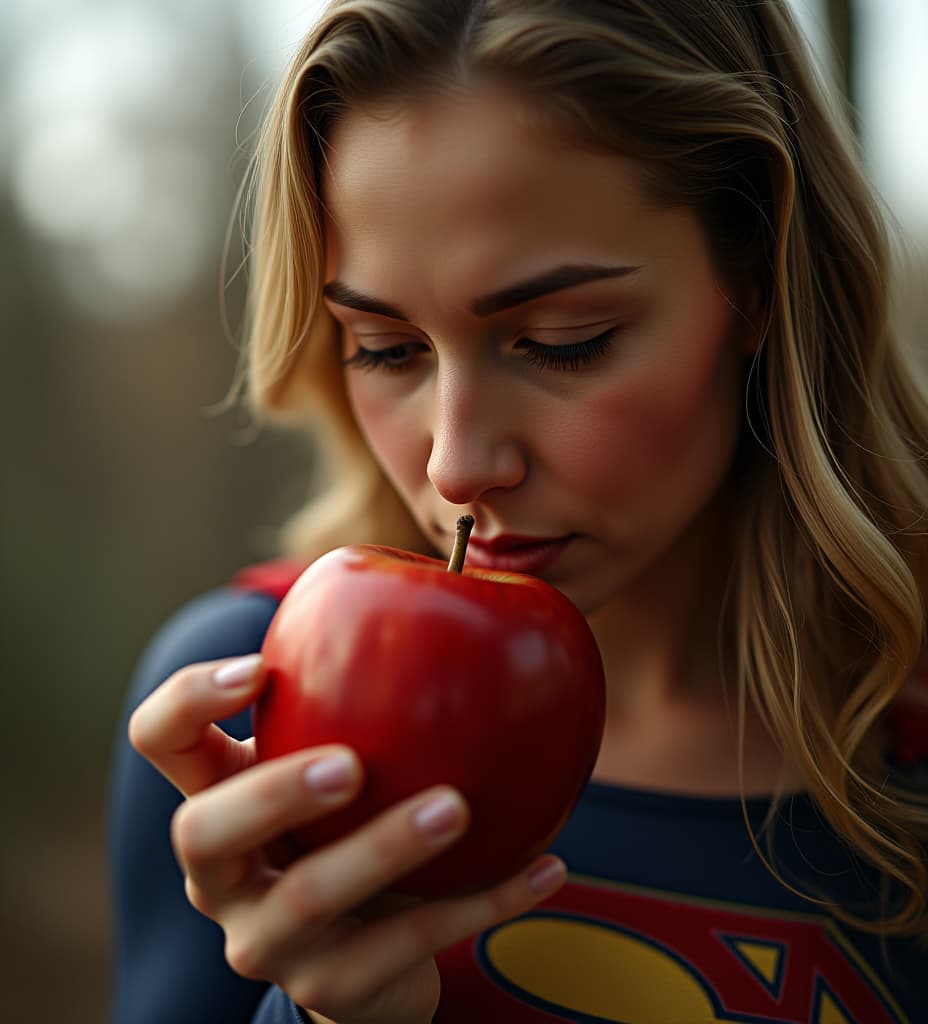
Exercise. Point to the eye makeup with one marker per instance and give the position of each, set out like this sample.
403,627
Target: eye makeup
565,358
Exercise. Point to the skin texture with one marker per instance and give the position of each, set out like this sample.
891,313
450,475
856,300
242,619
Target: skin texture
627,449
433,205
323,927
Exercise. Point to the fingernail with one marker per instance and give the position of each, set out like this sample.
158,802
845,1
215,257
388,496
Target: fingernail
440,815
547,876
237,672
330,775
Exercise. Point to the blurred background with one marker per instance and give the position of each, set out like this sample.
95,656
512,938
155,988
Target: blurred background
127,487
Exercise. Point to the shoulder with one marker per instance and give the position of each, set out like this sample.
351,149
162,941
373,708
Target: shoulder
225,622
168,959
222,623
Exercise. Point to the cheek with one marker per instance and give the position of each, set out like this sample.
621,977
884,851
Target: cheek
391,430
667,431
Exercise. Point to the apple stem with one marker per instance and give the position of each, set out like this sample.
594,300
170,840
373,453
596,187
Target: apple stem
462,535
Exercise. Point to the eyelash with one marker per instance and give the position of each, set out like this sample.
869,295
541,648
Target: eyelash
564,358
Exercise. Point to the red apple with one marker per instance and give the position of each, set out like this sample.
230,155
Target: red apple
490,682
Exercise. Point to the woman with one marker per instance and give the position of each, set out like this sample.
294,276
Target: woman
608,276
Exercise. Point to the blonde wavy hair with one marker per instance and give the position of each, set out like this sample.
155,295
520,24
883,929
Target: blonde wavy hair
826,605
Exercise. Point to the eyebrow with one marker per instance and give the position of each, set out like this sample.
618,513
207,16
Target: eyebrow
555,280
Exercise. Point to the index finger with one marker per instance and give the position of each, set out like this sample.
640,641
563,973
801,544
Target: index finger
174,727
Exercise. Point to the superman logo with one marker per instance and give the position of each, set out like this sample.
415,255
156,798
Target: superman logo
607,953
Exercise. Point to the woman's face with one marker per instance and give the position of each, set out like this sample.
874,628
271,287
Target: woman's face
529,340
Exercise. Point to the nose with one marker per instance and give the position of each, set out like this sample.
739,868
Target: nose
475,443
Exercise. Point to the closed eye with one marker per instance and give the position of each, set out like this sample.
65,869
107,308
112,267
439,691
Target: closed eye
394,359
565,358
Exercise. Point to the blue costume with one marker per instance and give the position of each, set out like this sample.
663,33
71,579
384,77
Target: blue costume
669,913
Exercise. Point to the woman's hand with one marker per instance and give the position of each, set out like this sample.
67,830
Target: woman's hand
318,925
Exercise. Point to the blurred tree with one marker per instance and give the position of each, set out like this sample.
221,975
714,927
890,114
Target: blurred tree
125,494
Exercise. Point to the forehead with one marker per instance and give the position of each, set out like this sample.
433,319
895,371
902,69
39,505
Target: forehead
469,160
435,202
478,131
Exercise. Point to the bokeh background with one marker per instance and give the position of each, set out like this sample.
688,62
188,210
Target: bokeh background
128,485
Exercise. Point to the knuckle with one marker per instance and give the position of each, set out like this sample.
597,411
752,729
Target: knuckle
153,718
140,731
245,957
186,835
312,989
308,902
198,899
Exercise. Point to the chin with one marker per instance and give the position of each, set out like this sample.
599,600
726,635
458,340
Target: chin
603,587
589,596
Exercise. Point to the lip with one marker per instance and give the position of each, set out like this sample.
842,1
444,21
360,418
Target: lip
511,552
